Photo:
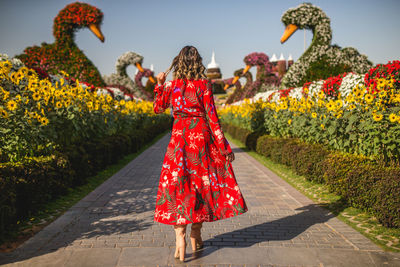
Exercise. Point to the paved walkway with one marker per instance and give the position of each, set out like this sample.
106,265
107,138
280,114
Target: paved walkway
113,226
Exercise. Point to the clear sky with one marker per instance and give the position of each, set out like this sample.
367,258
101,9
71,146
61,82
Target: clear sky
158,29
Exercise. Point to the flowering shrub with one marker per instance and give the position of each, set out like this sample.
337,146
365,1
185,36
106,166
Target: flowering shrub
321,56
64,55
331,85
39,116
264,77
388,71
341,112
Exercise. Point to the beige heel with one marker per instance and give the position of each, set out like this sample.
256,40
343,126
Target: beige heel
195,236
180,232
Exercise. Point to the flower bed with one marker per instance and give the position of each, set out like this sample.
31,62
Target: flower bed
55,132
351,112
362,182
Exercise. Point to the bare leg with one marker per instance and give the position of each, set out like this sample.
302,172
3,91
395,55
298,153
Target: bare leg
195,236
180,232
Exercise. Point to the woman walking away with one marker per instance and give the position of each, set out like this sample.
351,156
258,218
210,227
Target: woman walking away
197,182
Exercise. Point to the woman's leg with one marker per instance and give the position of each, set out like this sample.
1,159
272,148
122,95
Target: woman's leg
180,232
195,236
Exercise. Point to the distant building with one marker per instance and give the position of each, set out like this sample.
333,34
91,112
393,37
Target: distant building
280,66
213,72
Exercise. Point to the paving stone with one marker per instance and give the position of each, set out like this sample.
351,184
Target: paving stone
113,226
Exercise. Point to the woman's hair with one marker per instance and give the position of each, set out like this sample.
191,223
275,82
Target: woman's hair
188,64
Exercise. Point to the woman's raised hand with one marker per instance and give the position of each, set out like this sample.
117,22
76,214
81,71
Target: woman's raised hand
230,157
161,78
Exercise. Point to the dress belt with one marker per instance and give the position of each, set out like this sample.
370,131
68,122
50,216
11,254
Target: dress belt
186,115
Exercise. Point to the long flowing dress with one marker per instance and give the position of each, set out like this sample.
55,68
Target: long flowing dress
197,182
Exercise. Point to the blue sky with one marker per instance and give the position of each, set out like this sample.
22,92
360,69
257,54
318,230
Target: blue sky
158,29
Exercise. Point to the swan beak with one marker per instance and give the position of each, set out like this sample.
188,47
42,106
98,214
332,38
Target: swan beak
233,82
290,29
151,78
139,67
96,30
246,69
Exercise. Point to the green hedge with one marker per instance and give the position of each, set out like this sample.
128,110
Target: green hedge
26,186
363,182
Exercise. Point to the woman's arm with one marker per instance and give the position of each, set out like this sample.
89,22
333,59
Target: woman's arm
162,94
212,116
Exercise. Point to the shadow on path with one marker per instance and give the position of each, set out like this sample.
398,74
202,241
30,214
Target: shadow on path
125,214
282,229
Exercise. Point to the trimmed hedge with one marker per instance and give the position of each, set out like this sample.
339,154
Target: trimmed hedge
26,186
363,182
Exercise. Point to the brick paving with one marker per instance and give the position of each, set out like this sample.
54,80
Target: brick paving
113,226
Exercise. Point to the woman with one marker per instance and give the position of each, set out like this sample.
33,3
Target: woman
197,182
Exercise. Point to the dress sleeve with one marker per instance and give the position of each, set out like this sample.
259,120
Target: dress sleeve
162,97
212,117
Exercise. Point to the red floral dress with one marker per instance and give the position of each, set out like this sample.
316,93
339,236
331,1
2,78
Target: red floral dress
197,182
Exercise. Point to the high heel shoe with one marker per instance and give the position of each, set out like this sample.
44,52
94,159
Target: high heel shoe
180,232
195,237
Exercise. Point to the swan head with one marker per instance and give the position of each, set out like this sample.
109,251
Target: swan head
304,16
76,16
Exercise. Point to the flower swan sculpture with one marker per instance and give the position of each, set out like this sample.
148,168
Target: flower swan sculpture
308,16
64,54
121,78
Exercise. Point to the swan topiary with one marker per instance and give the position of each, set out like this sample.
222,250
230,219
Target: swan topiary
64,54
121,77
320,54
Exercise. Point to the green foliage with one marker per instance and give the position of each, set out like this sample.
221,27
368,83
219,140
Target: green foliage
28,184
323,69
362,182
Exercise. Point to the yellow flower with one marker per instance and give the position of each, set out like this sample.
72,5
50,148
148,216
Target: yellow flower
322,126
289,121
392,117
3,113
369,98
12,105
314,115
377,117
382,94
58,104
44,121
36,96
338,104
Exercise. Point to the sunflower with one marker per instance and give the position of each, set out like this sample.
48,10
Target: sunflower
44,121
3,113
12,105
36,96
289,121
382,94
322,126
377,117
314,115
392,117
369,98
58,104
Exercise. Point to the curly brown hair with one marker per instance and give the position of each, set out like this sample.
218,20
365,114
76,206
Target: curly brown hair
188,64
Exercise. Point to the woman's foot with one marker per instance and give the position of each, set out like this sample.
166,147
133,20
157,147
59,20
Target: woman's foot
195,237
180,232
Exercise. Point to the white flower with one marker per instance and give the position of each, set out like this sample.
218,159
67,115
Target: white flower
166,215
192,145
181,220
206,180
218,133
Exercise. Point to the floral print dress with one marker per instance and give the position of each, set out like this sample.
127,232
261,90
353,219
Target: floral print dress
197,182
